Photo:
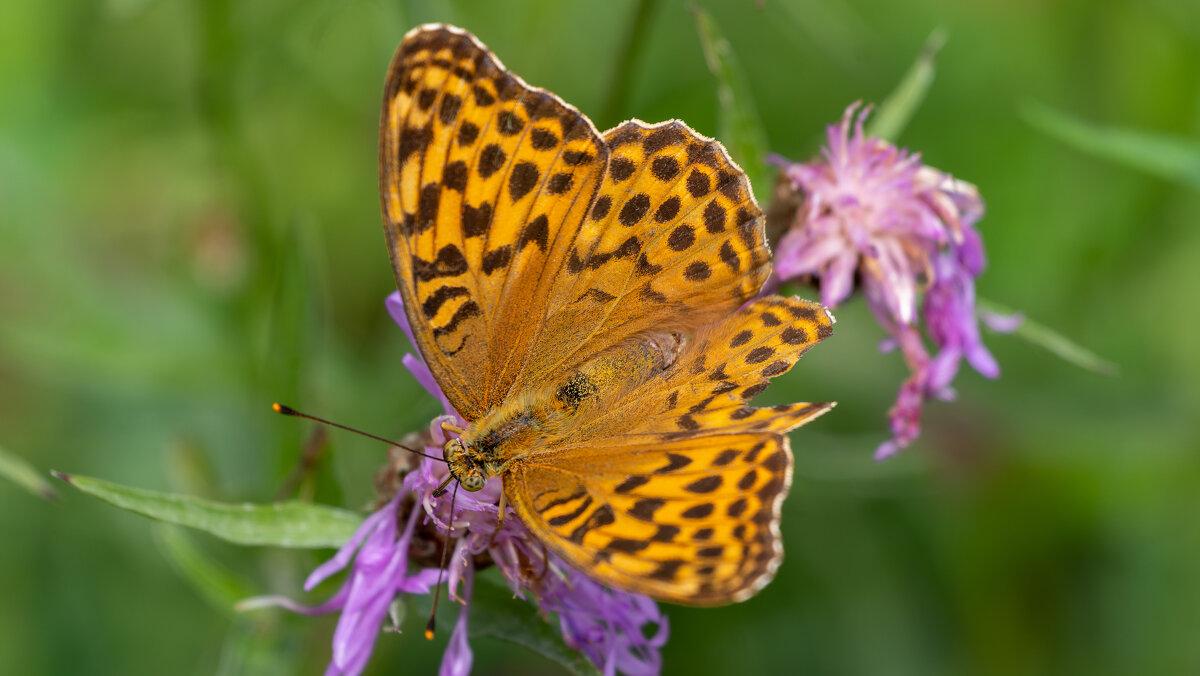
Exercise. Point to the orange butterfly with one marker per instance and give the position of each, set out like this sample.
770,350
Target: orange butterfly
576,295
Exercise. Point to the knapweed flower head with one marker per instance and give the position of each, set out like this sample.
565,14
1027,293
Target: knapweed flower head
874,215
390,554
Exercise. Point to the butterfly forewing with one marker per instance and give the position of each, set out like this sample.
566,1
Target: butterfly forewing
484,182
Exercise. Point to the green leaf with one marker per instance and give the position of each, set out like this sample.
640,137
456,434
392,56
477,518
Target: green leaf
17,470
496,614
1174,158
1052,341
738,124
279,524
894,114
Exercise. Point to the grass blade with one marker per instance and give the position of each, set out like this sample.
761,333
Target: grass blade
1171,157
738,124
1053,342
17,470
894,114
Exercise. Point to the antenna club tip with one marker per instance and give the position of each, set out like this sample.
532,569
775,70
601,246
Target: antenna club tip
429,630
280,408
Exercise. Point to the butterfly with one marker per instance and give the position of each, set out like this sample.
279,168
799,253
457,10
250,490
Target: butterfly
584,301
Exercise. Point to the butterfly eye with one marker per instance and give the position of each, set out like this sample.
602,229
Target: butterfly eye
473,482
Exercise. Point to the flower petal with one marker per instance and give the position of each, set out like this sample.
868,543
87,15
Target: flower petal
346,553
837,280
458,657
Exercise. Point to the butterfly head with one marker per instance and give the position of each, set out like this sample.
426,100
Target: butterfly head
463,467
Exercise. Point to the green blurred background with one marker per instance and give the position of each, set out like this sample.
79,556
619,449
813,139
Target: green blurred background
190,230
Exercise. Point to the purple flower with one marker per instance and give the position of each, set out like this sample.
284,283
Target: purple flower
607,625
906,232
380,572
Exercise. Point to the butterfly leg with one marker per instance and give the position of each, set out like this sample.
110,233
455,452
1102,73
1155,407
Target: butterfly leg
500,520
450,427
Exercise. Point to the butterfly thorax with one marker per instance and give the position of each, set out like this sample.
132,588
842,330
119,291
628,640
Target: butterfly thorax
543,418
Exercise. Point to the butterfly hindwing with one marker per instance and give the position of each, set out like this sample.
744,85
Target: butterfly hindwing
674,489
693,521
720,370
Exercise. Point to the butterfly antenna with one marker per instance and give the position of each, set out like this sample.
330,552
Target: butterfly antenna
287,410
437,591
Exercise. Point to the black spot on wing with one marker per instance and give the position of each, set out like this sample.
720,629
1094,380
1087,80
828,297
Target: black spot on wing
601,208
426,98
427,206
414,140
536,232
729,257
664,168
714,218
434,302
491,160
476,221
645,508
603,516
464,312
681,237
449,108
759,355
576,157
668,210
700,511
620,169
697,271
509,123
634,210
727,456
665,534
450,262
794,335
559,183
675,462
467,133
543,139
454,176
670,135
496,259
706,484
523,177
631,483
698,183
483,97
564,519
754,390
